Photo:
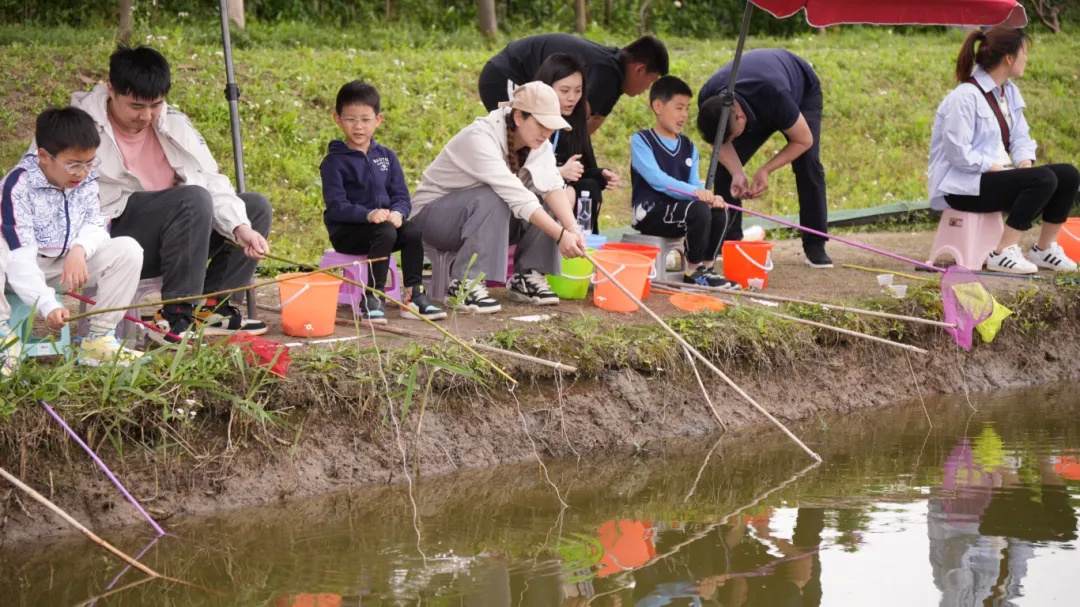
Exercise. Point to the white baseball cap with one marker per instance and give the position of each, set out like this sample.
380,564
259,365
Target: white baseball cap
540,101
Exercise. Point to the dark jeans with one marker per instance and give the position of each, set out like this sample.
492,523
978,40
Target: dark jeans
702,226
492,87
175,228
1024,194
809,174
380,240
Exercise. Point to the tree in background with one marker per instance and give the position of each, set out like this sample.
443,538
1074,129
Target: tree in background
123,32
1049,12
581,18
489,25
235,8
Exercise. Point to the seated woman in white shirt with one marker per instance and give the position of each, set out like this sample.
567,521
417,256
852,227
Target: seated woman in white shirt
982,155
495,184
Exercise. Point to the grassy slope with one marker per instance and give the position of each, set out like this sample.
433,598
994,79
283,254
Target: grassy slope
880,90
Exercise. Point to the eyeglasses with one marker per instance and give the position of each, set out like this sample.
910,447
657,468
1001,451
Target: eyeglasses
74,168
353,120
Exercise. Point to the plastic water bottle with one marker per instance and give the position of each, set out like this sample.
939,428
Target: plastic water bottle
584,214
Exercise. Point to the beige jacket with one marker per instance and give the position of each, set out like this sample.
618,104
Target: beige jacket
187,153
477,156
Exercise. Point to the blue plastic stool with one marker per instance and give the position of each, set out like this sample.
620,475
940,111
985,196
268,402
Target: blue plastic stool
22,323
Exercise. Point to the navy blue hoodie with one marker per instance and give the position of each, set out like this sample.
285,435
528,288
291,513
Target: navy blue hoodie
355,183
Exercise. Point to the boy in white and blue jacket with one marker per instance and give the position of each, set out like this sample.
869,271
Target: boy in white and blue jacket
53,233
368,204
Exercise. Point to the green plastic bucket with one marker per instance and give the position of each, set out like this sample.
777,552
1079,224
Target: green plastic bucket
574,282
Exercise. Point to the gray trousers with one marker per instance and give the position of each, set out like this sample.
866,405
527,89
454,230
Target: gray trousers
477,222
175,228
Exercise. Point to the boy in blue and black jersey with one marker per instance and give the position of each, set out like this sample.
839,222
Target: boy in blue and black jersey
664,165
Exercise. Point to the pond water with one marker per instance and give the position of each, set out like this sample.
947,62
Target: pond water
980,509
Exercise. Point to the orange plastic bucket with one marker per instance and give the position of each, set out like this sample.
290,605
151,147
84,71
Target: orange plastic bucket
630,269
1069,238
308,304
748,263
641,249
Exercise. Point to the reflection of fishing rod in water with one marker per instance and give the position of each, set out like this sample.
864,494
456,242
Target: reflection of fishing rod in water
709,529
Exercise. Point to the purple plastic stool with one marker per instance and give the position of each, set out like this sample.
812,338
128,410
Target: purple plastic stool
351,294
509,268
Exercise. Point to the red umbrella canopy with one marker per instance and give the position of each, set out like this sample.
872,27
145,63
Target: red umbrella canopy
821,13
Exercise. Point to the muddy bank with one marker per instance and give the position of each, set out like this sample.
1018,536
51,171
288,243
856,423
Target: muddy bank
632,396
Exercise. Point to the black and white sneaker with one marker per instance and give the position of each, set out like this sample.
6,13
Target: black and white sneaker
175,323
475,300
1051,258
532,287
816,257
1011,261
707,277
225,319
418,304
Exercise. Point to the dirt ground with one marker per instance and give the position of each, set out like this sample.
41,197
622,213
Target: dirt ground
791,277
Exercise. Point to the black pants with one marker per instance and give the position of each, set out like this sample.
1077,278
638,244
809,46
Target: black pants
595,190
492,87
175,228
809,175
1049,191
702,226
380,240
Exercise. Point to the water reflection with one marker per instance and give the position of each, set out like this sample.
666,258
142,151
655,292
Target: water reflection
981,510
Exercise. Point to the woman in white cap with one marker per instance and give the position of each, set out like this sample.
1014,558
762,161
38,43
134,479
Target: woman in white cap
495,184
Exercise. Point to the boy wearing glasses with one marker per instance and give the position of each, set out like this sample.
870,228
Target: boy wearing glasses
368,204
54,233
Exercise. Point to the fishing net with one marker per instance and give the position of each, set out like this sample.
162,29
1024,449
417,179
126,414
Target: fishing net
262,352
967,303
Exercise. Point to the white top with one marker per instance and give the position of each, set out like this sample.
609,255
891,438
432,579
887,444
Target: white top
476,156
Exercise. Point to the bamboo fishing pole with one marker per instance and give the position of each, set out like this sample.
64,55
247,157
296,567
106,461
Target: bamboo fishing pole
702,358
825,306
401,305
176,300
90,534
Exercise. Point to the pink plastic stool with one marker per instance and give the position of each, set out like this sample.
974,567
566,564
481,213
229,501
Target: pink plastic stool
968,237
509,268
351,294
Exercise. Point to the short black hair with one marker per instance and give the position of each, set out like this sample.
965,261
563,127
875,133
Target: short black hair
649,51
358,92
141,72
667,87
60,129
708,119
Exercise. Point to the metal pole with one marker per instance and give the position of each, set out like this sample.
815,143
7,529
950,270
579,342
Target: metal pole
232,94
727,96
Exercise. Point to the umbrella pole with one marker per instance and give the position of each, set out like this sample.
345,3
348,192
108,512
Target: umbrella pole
232,94
727,96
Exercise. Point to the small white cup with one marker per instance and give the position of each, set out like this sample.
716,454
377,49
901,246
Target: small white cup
899,291
885,280
754,233
755,283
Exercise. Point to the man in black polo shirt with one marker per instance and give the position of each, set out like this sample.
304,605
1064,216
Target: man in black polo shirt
775,90
610,71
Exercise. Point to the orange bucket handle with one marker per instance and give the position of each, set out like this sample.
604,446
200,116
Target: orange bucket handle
1068,233
652,275
296,295
768,267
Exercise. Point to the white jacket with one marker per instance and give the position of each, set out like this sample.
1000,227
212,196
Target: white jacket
476,156
38,218
183,146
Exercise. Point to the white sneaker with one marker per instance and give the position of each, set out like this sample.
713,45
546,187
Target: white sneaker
1052,258
106,350
1011,261
10,350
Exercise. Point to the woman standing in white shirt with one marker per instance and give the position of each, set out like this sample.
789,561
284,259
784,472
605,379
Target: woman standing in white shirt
982,155
495,184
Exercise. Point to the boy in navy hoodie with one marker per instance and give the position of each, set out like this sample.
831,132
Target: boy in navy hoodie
368,205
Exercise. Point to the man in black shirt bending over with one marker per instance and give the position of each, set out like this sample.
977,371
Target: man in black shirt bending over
610,71
776,91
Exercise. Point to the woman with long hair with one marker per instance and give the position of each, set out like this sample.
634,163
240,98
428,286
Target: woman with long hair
982,156
573,149
494,184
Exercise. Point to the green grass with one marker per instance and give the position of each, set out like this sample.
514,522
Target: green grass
881,90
